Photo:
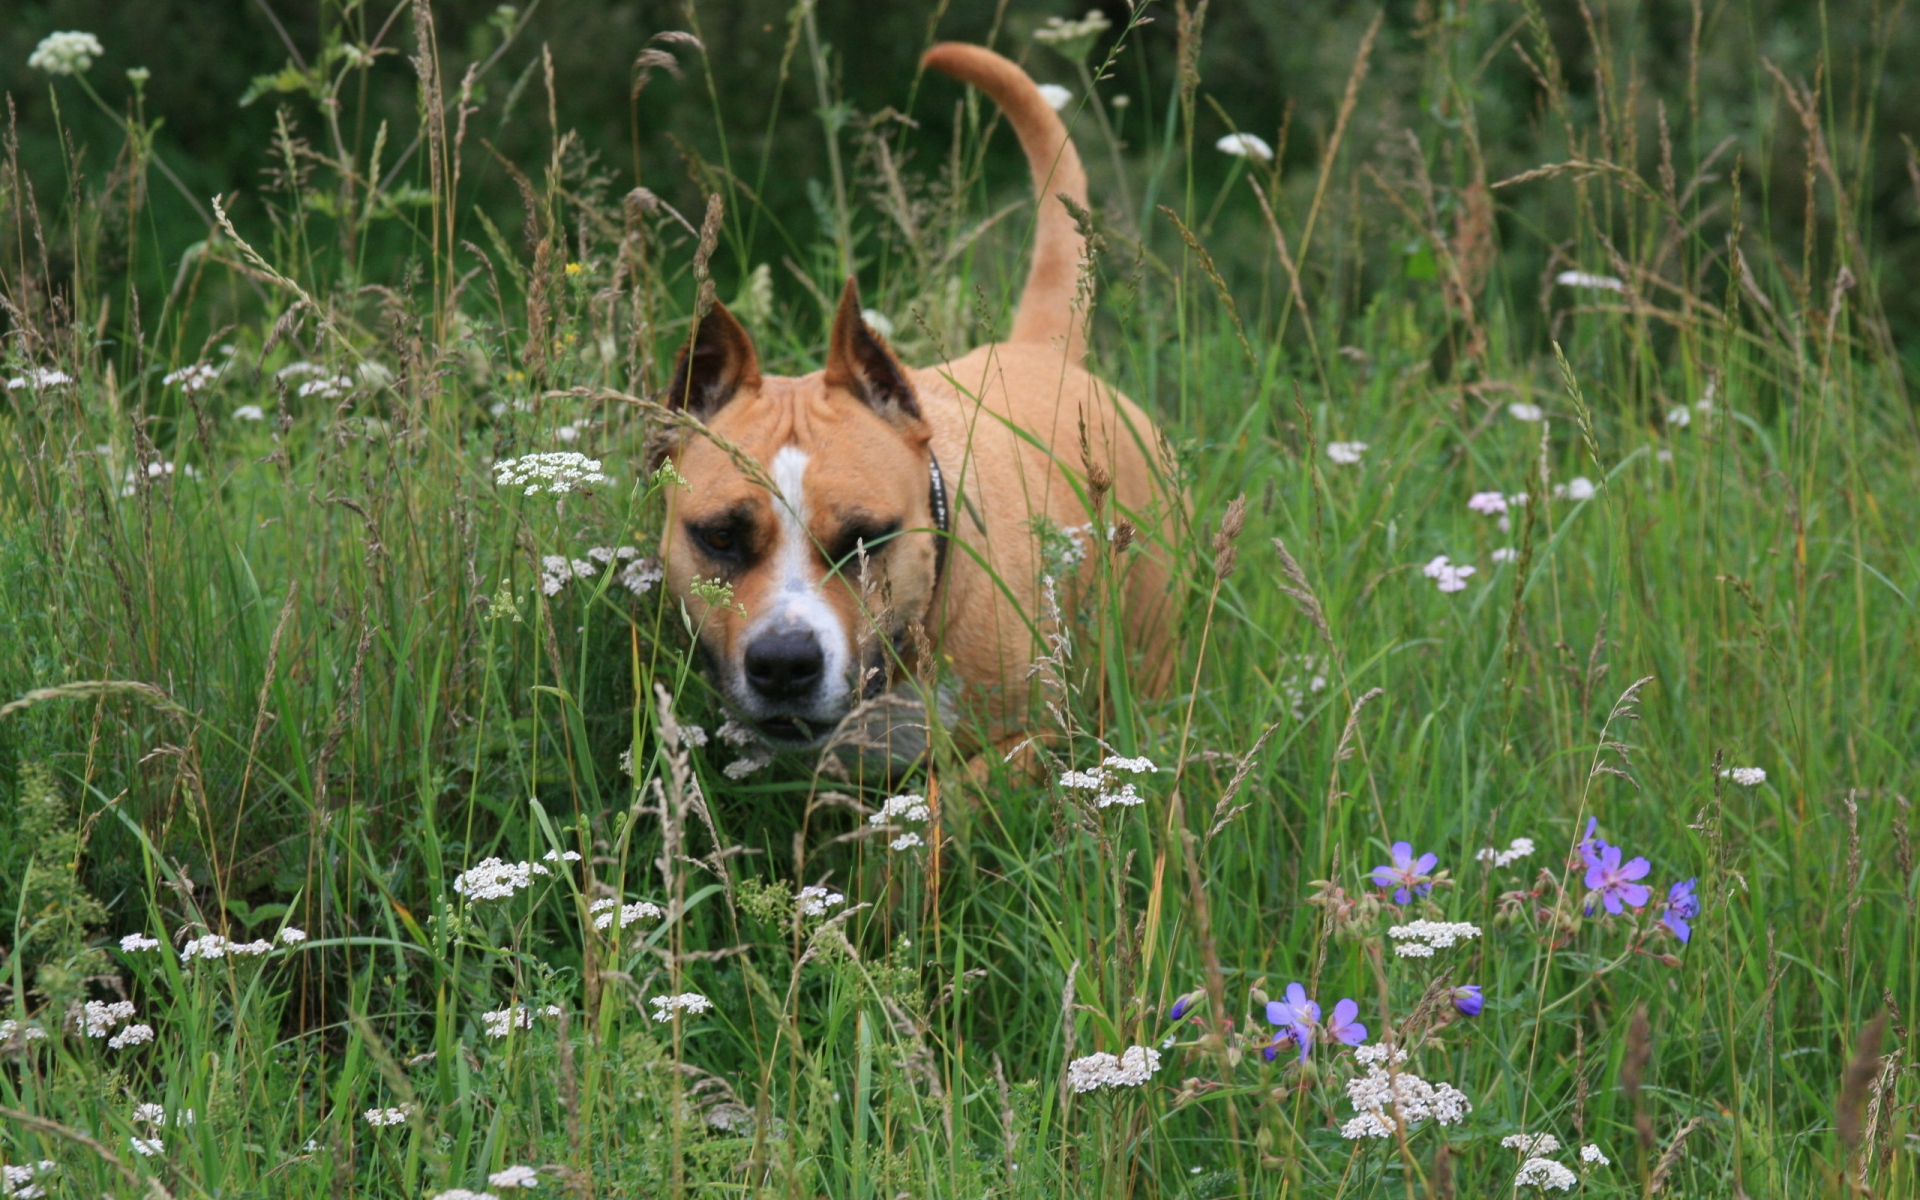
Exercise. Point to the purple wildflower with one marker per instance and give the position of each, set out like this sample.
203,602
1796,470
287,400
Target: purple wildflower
1281,1040
1296,1016
1468,1000
1185,1004
1406,875
1682,907
1613,880
1343,1028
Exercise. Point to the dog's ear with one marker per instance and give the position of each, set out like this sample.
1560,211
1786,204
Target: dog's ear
860,362
718,363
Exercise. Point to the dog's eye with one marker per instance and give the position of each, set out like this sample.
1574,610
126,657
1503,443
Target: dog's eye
874,534
721,541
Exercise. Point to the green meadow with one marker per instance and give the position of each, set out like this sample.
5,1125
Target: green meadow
1530,813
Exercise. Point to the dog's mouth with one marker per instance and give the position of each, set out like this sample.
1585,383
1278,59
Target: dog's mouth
792,732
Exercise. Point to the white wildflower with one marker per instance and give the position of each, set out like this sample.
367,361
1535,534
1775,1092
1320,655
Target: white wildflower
150,1114
560,856
134,943
1491,504
878,321
901,808
1413,950
99,1017
1398,1099
1060,32
1516,850
327,388
299,370
1132,766
210,945
692,1003
692,737
25,1031
497,880
1245,145
462,1194
1578,488
66,53
1531,1145
155,470
1526,412
249,412
554,472
290,936
815,901
1057,98
515,1176
501,1022
1745,776
640,575
1505,554
1436,935
1086,781
192,379
568,434
38,378
380,1118
1581,279
640,910
1126,797
146,1147
1378,1052
905,841
1346,453
132,1035
1592,1154
1545,1173
1680,418
1132,1068
1446,575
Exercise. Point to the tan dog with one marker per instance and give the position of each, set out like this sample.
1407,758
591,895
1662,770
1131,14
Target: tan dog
848,506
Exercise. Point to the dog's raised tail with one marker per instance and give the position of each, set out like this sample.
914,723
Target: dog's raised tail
1046,313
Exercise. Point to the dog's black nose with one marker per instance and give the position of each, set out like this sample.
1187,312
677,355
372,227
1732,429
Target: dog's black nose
785,664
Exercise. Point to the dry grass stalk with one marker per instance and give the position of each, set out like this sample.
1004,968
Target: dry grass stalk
1670,1157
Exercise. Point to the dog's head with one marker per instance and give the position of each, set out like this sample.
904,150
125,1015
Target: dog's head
810,498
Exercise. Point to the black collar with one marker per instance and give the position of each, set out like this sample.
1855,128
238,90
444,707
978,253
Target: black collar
942,516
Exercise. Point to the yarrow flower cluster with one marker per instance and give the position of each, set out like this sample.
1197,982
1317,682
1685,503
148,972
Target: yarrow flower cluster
135,943
1577,488
815,901
554,472
212,945
20,1179
1591,282
1545,1173
1419,939
146,1147
329,387
1516,850
25,1031
1531,1145
194,378
691,1003
98,1018
1308,680
132,1035
463,1194
39,378
902,808
1346,453
1447,575
515,1176
1388,1100
155,470
1132,1068
66,53
1246,145
1056,97
497,880
381,1118
1592,1154
639,910
1745,776
1530,413
156,1115
501,1022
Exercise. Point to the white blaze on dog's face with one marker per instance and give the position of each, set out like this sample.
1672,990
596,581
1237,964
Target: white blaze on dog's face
839,461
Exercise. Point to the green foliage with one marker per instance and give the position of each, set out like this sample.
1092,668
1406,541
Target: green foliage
397,766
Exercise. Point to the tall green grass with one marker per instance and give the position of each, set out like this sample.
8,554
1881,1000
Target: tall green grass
302,671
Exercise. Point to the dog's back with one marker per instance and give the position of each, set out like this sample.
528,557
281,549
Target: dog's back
1013,414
